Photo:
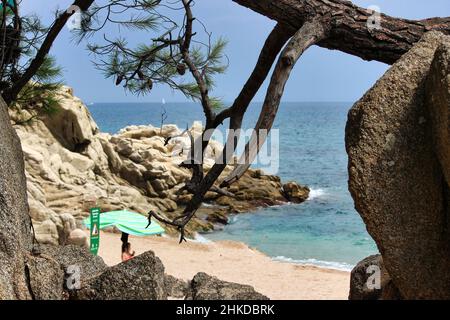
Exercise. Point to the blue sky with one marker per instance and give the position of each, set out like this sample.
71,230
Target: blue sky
320,75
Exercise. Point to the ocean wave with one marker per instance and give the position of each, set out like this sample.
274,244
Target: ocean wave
316,193
207,205
232,218
200,239
342,266
211,205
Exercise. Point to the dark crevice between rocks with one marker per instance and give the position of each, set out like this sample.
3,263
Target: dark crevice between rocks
81,146
28,281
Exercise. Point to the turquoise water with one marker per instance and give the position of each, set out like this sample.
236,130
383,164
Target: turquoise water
326,230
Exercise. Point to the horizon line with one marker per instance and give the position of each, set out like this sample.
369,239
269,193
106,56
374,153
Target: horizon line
193,102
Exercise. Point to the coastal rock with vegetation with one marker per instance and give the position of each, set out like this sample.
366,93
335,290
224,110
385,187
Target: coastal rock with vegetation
398,166
71,166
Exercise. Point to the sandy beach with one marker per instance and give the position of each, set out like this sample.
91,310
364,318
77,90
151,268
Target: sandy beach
235,262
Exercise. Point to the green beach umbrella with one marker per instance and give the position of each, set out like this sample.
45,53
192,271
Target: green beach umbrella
9,6
128,222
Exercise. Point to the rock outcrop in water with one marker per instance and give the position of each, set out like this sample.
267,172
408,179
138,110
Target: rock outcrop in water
397,142
71,166
295,192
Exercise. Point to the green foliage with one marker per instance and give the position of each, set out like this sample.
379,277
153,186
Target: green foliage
216,103
141,23
209,64
24,45
159,61
49,71
134,15
40,92
138,68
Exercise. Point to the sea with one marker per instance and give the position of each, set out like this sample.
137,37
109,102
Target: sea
324,231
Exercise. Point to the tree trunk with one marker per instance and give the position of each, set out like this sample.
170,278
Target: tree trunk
350,32
15,228
309,34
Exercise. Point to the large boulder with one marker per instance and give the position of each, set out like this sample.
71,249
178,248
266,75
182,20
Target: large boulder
206,287
72,258
141,278
46,232
175,288
396,179
15,235
46,278
369,280
438,102
78,237
72,123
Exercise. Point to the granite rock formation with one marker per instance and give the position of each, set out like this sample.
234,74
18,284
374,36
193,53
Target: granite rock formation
369,280
72,166
206,287
397,178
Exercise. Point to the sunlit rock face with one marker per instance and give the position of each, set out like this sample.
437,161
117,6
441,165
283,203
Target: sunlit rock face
71,166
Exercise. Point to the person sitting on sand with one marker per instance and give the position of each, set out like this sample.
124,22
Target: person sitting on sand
127,254
126,247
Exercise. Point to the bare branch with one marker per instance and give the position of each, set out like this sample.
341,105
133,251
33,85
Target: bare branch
199,78
273,45
309,34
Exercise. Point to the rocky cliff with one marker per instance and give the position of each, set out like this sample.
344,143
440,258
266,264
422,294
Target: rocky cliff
71,166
